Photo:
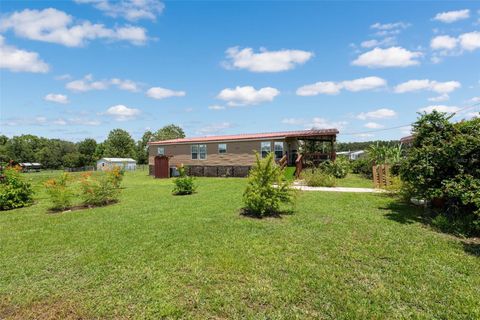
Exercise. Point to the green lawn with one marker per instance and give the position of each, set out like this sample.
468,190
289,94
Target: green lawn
340,256
355,181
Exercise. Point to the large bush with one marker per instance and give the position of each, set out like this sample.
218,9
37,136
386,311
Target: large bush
338,168
443,166
15,192
60,192
362,166
267,188
183,184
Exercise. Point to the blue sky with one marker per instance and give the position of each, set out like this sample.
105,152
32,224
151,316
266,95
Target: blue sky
78,69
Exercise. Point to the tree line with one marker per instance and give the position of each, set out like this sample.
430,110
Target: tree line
57,153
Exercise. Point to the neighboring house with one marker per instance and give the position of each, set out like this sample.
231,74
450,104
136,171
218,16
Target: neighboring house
233,155
352,155
109,163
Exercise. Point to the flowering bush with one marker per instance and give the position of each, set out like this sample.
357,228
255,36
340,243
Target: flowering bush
14,191
183,184
338,168
115,176
98,191
60,192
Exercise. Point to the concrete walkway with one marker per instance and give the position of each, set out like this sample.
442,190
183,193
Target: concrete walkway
338,189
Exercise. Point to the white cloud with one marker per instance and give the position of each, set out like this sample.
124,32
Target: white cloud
247,95
265,61
373,125
388,41
452,16
18,60
364,136
214,128
389,57
329,87
122,113
58,98
127,85
377,114
131,10
55,26
440,98
470,41
425,84
65,76
474,100
315,123
443,42
216,107
87,84
439,108
162,93
390,26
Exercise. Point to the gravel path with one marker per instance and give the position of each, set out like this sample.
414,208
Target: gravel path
338,189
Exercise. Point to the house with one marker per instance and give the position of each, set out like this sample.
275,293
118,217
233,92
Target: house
352,155
233,155
109,163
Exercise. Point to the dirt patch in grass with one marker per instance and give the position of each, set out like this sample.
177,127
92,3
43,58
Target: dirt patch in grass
46,310
80,207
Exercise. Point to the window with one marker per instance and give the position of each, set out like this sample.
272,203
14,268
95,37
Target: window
161,151
203,151
199,151
278,148
222,148
265,148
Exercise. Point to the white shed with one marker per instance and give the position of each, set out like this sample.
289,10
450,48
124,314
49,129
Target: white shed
109,163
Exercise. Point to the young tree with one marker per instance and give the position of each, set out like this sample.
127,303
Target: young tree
120,144
168,132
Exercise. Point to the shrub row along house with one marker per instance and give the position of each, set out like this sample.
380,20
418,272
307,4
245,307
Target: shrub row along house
233,155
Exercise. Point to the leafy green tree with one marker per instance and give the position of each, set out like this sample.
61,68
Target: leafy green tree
72,160
168,132
142,148
119,144
24,148
4,157
99,151
87,149
443,165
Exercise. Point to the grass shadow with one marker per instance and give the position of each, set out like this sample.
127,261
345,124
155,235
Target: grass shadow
472,247
275,214
405,213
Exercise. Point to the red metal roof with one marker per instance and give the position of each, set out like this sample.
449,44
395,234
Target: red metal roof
252,136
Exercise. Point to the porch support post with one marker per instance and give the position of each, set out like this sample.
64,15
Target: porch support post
333,154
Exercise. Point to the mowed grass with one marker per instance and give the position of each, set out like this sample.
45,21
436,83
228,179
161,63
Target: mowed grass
153,255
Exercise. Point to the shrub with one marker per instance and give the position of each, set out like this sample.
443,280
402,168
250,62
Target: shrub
267,188
115,176
14,191
318,178
60,192
443,167
98,191
338,168
362,166
184,184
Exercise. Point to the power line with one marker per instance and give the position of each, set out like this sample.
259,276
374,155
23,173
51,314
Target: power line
405,125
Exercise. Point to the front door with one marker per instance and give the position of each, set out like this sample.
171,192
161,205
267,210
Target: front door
161,167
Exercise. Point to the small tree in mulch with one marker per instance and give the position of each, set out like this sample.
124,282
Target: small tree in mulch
99,191
60,192
267,188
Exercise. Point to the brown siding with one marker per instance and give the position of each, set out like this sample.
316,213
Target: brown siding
239,153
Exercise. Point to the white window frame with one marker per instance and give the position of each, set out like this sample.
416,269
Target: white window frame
160,153
275,144
264,144
198,153
219,150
